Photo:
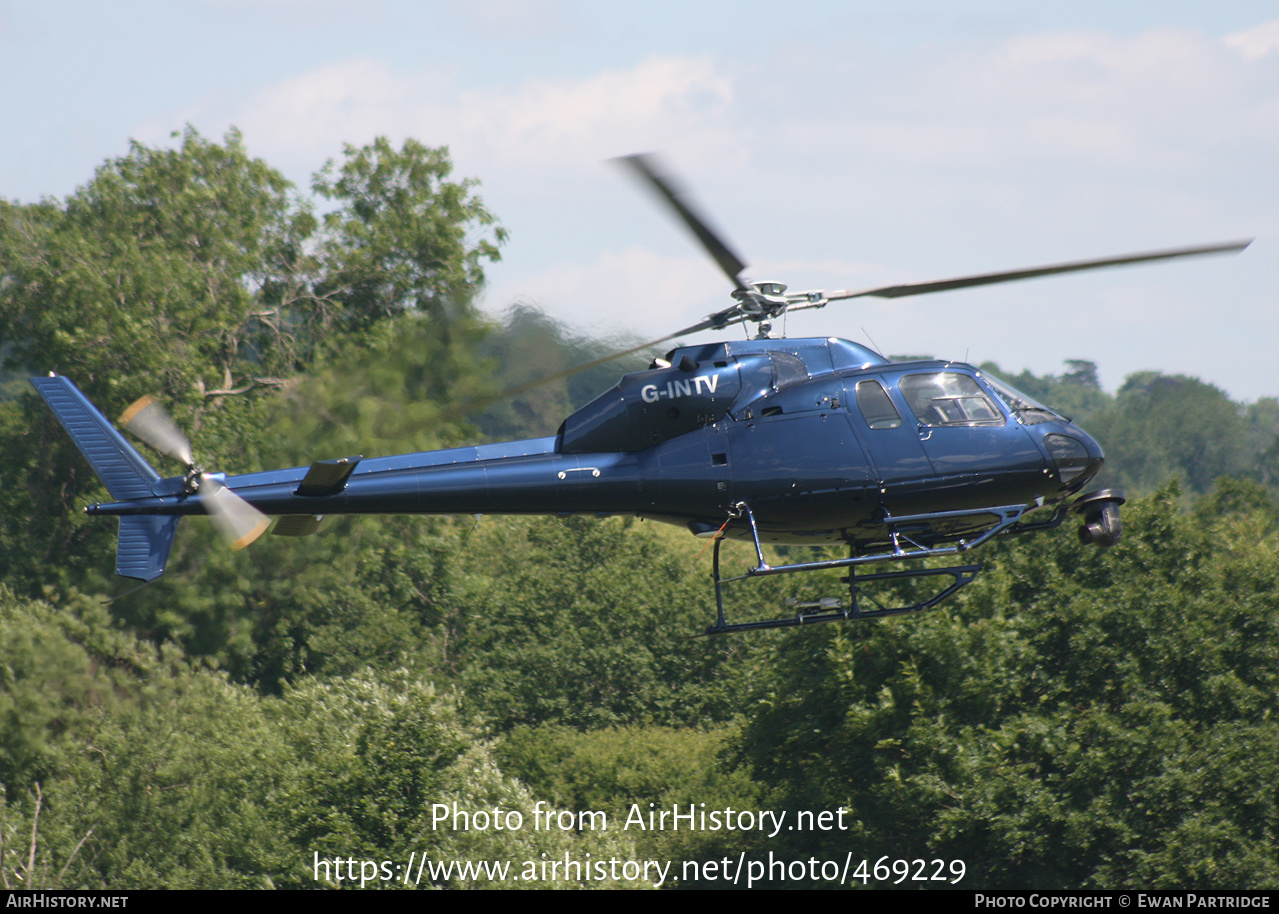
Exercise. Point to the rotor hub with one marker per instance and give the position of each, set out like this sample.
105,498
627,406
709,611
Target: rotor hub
191,481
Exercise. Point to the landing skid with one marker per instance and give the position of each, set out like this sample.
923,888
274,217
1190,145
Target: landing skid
902,548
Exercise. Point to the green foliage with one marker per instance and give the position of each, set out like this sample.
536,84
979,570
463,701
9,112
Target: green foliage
125,766
374,754
176,787
1263,439
131,768
618,770
203,784
587,623
25,862
362,591
1163,426
146,279
137,283
1075,719
60,670
401,237
197,274
391,392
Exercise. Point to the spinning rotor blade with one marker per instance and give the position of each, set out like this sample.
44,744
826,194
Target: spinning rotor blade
986,279
735,314
754,305
729,262
238,521
147,419
479,404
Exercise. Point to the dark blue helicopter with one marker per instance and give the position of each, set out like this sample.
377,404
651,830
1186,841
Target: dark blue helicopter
795,441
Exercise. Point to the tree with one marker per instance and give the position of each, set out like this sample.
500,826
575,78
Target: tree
1162,426
402,237
363,590
586,622
1082,373
372,754
125,765
146,279
196,273
528,346
611,770
1073,719
157,275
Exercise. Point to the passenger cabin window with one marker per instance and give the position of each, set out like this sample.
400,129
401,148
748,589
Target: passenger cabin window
876,406
948,398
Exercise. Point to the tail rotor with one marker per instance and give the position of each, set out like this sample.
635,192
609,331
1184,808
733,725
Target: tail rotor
238,521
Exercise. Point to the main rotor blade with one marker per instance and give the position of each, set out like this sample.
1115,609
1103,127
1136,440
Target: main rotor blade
985,279
479,404
238,521
730,263
147,419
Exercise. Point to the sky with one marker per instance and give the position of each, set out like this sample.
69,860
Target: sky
837,145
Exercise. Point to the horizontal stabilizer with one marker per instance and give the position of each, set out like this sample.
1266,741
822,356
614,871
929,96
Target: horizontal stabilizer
327,477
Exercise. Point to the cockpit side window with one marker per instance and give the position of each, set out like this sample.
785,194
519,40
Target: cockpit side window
876,406
948,398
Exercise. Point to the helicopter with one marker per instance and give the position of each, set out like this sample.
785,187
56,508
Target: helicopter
812,441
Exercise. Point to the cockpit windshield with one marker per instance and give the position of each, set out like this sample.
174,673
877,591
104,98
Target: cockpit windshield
948,398
1027,410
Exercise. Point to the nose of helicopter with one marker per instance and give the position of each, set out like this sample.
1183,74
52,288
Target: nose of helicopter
1095,456
1077,458
1076,455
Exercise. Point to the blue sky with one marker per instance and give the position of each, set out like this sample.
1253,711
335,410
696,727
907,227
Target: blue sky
838,145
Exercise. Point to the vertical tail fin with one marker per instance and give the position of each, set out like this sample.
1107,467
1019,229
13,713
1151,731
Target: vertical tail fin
143,543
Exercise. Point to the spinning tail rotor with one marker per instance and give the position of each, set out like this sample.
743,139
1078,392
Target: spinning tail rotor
238,521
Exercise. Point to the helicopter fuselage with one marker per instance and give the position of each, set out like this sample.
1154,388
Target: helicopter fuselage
820,438
806,441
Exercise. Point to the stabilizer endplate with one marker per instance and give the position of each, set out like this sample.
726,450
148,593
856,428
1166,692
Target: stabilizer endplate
297,525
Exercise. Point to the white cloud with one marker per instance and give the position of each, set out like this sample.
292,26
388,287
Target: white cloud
607,114
852,170
561,123
1256,42
1078,96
